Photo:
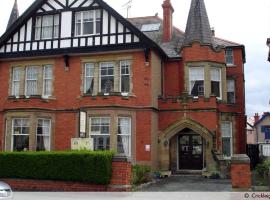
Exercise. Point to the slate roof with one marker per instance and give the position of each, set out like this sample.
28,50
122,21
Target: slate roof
13,15
173,47
198,26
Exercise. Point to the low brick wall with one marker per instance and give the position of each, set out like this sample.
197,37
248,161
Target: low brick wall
240,172
120,181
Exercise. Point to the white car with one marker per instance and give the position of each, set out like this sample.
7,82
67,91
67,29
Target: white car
5,191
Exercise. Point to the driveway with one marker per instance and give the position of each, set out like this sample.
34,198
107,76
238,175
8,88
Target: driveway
188,183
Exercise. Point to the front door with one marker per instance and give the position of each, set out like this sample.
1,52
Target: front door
190,152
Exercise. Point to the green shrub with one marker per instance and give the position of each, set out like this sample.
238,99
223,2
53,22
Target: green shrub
264,168
140,174
83,166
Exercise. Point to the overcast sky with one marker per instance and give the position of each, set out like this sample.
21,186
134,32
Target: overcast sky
242,21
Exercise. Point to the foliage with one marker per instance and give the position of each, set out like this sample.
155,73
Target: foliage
264,168
140,174
83,166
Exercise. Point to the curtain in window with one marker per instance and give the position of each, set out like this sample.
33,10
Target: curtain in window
16,81
56,26
124,136
231,91
43,135
47,27
38,28
229,56
47,81
107,77
226,139
31,81
125,76
89,78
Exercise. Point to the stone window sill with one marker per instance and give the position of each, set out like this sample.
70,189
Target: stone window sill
17,98
107,95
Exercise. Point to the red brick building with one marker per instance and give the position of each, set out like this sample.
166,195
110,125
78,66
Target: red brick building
159,96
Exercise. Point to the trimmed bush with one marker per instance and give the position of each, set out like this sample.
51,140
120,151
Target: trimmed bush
140,174
82,166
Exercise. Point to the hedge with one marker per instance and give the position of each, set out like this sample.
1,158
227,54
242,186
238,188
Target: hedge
82,166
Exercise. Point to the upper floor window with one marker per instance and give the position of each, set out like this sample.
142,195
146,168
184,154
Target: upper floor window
89,69
87,22
47,27
196,81
226,131
107,77
20,134
216,82
43,135
229,57
231,91
16,74
31,81
125,76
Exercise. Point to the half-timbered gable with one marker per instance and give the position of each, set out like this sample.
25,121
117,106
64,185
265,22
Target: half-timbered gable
58,26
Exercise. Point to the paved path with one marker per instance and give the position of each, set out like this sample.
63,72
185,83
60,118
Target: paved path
189,183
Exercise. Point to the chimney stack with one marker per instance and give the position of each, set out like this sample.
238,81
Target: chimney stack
256,117
167,21
213,31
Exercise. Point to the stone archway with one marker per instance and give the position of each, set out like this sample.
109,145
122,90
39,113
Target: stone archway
175,129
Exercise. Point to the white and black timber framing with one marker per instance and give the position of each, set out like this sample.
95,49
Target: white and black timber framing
116,33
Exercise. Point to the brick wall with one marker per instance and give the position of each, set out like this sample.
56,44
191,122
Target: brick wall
240,172
121,181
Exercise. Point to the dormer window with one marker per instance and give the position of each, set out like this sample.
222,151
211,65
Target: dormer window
47,27
87,23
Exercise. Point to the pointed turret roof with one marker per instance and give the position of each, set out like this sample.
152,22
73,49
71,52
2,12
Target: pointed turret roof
13,15
198,26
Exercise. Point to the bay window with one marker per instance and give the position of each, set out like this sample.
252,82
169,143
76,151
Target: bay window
100,132
43,134
16,73
20,134
31,81
231,91
47,80
107,77
226,131
89,69
216,82
47,27
87,22
196,81
124,136
125,76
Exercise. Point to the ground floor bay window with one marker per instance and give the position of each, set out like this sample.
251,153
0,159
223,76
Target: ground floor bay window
111,133
20,134
43,135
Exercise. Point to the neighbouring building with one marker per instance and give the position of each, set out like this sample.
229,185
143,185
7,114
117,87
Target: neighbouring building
251,136
170,99
262,128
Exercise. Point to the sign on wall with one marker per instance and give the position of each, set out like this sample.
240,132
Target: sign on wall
82,144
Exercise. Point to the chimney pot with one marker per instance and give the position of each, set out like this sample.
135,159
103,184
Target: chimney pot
213,31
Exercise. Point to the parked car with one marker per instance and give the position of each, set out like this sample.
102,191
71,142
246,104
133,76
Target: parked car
5,191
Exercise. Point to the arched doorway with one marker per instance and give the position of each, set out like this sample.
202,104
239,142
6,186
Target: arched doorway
186,145
187,151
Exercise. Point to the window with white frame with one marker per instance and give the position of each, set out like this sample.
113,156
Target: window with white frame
16,73
47,27
100,132
124,136
43,134
229,56
231,91
125,76
20,134
226,131
87,22
31,81
106,77
196,81
89,69
47,81
216,82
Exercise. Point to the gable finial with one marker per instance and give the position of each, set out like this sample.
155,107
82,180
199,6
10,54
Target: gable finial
14,14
